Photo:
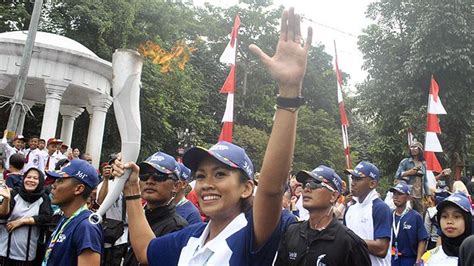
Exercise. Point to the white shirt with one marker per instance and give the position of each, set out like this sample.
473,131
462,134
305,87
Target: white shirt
35,159
214,252
437,256
9,151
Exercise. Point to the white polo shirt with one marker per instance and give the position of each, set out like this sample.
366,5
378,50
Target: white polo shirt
233,246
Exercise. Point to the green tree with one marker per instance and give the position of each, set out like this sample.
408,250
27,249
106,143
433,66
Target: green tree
411,41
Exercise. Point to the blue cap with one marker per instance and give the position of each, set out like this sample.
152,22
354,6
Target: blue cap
78,169
185,173
366,168
401,187
459,199
163,163
225,152
321,173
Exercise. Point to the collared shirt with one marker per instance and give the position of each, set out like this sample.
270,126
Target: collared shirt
411,231
34,159
437,256
301,245
407,164
233,246
370,220
9,151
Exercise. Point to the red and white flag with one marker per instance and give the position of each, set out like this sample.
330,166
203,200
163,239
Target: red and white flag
432,143
228,57
342,113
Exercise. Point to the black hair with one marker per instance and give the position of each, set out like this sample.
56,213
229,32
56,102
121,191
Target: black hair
245,203
87,190
17,160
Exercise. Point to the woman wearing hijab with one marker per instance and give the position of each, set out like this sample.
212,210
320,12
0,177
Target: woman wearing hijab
455,220
22,211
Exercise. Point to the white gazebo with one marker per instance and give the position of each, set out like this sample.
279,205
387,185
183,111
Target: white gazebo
66,77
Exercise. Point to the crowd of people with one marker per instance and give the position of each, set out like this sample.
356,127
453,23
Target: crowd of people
214,209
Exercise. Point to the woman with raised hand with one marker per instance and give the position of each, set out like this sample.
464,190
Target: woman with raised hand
23,211
237,232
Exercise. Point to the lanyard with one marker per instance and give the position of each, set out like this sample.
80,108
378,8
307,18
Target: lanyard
396,227
59,230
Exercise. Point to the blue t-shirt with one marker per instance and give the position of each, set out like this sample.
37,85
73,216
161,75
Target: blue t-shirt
77,236
238,246
411,231
189,212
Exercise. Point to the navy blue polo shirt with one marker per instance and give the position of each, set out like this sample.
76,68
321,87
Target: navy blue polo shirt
411,231
189,212
77,236
233,246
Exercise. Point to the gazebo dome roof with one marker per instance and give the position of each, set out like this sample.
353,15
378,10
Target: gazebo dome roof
49,40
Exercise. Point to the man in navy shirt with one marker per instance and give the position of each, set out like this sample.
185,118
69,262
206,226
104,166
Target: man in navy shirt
75,241
184,207
408,231
369,217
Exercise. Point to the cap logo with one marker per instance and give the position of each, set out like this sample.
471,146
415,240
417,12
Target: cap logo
372,175
359,166
81,174
157,158
319,169
455,199
219,147
247,168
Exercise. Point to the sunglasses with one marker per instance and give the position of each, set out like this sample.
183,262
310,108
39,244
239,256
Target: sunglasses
314,184
157,177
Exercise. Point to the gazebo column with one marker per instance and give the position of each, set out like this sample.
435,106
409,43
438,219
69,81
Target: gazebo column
54,94
21,122
69,114
99,105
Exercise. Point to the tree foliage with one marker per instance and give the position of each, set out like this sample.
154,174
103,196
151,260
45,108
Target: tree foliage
410,41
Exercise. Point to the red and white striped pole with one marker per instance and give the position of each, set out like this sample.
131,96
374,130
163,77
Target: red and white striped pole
228,57
432,143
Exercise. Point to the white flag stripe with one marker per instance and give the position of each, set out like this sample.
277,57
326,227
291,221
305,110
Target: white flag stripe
228,56
435,107
229,109
345,139
431,179
432,142
339,93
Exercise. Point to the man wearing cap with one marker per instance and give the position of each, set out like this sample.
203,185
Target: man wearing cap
320,240
58,153
50,158
184,207
159,175
18,144
369,217
75,241
408,231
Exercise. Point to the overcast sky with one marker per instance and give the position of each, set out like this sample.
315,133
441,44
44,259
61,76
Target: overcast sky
330,18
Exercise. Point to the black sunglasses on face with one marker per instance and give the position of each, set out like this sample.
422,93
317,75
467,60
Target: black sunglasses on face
313,184
157,177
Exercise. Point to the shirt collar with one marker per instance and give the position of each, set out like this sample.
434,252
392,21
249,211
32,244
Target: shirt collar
215,244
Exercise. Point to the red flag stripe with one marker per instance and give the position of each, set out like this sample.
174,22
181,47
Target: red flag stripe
229,84
342,112
434,89
235,31
226,132
433,124
432,162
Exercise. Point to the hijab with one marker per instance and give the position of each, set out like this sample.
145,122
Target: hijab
32,196
451,245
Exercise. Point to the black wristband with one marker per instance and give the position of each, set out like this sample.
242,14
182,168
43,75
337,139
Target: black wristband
133,197
290,102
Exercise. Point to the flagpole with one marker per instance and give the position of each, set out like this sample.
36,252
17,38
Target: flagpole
342,112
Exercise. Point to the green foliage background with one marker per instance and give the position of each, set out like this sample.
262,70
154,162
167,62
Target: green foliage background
407,43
